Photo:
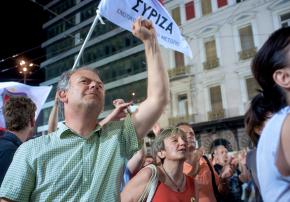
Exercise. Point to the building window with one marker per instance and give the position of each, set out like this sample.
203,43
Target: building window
176,15
123,68
89,11
206,7
222,3
216,98
52,93
109,47
43,116
60,7
210,50
248,49
179,59
252,87
239,1
285,20
99,29
60,26
182,105
210,54
59,47
125,92
246,37
57,68
217,111
189,10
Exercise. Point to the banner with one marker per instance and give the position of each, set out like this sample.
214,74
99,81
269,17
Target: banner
124,12
37,94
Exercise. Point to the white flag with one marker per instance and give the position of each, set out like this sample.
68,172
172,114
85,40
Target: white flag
37,94
124,12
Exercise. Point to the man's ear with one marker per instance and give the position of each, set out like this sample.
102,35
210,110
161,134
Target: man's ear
62,96
282,77
32,121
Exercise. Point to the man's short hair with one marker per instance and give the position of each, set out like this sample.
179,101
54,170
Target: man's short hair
18,112
158,144
63,83
183,124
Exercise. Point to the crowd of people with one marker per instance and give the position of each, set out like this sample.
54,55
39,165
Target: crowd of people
128,157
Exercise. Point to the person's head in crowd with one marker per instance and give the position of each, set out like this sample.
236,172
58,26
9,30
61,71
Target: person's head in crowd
271,68
82,87
220,155
19,115
190,135
170,144
259,111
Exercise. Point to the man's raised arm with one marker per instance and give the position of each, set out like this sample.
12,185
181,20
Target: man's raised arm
151,109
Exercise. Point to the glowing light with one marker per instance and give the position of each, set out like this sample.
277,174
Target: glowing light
22,62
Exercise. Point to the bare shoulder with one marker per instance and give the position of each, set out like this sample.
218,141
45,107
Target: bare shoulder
145,173
136,186
283,151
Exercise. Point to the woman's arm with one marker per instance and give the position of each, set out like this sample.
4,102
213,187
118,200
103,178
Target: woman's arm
136,186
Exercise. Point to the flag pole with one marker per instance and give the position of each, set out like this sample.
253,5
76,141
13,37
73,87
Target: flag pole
98,17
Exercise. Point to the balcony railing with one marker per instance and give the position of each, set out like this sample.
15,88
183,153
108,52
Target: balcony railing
216,114
177,119
210,64
177,71
247,54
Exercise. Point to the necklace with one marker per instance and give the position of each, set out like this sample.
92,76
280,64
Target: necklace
172,181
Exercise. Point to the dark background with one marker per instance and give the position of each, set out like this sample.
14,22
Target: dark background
21,33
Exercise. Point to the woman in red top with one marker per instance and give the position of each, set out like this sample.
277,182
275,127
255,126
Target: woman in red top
170,149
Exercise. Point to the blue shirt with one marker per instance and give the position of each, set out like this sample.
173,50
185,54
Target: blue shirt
126,178
8,146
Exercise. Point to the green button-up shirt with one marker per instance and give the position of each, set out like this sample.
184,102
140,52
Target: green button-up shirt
63,166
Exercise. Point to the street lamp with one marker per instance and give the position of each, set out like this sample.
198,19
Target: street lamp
24,69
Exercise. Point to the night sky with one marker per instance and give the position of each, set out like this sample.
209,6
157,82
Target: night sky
21,30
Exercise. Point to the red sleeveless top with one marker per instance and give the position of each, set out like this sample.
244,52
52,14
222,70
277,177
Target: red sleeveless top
164,193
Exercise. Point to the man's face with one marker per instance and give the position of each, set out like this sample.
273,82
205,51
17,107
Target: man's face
221,155
175,147
86,90
190,136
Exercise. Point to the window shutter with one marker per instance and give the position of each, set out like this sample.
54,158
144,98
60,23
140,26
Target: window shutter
206,7
176,15
189,10
216,98
179,59
210,50
222,3
246,38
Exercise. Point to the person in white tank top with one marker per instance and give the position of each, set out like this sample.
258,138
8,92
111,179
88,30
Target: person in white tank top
271,69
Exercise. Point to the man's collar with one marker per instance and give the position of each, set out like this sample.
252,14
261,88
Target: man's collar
64,130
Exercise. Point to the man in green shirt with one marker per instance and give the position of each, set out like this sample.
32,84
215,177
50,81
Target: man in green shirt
83,161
